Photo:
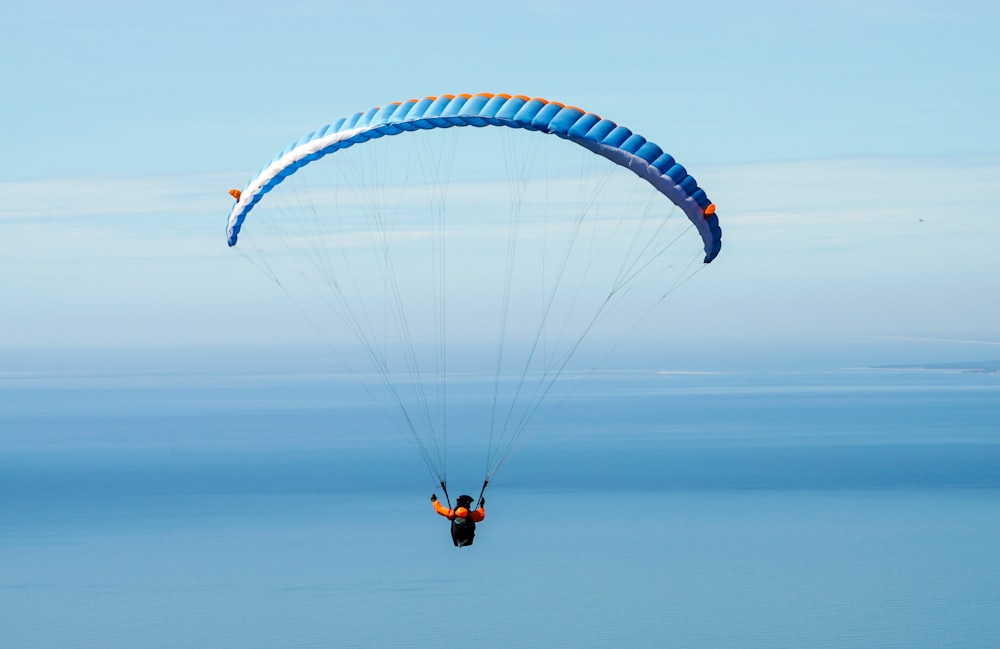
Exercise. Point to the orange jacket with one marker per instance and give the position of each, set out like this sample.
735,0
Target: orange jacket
476,514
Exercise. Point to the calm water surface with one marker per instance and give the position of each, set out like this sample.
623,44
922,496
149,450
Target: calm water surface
822,509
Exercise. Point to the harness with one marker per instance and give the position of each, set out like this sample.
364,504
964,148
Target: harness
463,530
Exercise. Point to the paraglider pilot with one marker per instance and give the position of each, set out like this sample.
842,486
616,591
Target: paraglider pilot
463,518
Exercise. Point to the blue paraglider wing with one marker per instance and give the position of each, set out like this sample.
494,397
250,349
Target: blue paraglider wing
604,137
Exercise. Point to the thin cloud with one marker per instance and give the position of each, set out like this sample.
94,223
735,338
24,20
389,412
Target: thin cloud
926,339
61,198
772,191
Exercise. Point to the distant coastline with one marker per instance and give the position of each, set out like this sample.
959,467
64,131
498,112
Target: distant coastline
973,367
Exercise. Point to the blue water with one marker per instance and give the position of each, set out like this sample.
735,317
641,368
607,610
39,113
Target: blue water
269,507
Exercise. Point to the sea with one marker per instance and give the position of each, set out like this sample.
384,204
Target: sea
167,504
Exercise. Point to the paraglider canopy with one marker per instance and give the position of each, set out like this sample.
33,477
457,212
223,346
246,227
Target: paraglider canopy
602,136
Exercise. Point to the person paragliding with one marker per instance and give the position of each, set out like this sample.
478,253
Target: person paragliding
463,518
418,286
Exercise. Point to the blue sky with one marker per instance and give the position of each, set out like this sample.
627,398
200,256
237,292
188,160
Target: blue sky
852,149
